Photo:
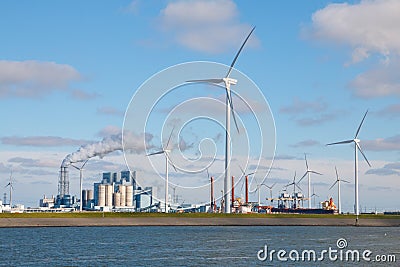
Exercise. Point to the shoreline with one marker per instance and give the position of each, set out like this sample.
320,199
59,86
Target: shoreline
182,221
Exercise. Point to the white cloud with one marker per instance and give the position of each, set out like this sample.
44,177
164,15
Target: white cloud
206,26
383,144
378,82
41,141
31,79
307,143
390,111
369,28
111,111
300,105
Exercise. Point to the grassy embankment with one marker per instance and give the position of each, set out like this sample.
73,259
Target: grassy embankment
187,215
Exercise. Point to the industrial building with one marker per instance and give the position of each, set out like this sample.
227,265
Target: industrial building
118,192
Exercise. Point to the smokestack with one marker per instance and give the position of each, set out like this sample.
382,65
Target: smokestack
247,189
233,189
212,194
63,183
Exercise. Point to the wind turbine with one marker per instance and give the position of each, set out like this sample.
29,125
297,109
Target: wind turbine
270,190
308,172
314,195
294,184
338,180
227,81
356,142
80,181
165,151
294,187
10,184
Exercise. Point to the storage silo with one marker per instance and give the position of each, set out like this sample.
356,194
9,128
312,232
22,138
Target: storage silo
84,198
101,198
122,190
109,195
129,195
89,195
117,199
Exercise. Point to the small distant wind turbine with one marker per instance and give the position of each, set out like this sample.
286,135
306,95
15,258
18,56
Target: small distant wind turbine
10,184
356,142
227,81
294,185
338,180
270,190
80,181
166,152
314,195
308,172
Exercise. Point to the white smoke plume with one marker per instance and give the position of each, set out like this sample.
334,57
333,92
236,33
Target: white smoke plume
134,143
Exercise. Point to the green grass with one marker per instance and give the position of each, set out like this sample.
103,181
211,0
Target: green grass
187,215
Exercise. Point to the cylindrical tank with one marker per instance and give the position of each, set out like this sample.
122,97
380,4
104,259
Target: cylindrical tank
101,198
84,198
129,195
89,195
117,199
109,195
122,190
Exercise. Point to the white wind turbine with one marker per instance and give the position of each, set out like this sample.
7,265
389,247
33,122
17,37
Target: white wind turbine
229,109
308,172
80,181
314,195
356,142
165,151
10,184
338,180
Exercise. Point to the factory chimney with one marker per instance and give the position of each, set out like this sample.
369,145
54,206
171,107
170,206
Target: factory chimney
212,194
233,190
63,183
247,189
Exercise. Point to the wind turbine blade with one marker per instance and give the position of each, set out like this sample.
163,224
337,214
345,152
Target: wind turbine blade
217,81
305,157
240,50
345,181
251,173
359,127
316,172
337,175
83,165
155,153
273,185
302,177
169,139
362,153
342,142
170,161
74,166
208,174
333,185
299,187
232,110
243,172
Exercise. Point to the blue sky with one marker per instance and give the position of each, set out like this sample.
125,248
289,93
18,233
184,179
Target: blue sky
68,72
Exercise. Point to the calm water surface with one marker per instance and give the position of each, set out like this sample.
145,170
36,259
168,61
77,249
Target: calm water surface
188,246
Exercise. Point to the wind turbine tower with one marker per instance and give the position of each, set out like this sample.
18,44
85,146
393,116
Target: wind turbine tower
357,146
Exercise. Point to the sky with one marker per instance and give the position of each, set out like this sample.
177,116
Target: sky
70,73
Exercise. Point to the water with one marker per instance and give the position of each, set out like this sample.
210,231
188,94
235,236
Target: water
187,246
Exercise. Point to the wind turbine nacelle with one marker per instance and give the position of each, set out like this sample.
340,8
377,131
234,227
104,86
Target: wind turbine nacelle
230,81
357,140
